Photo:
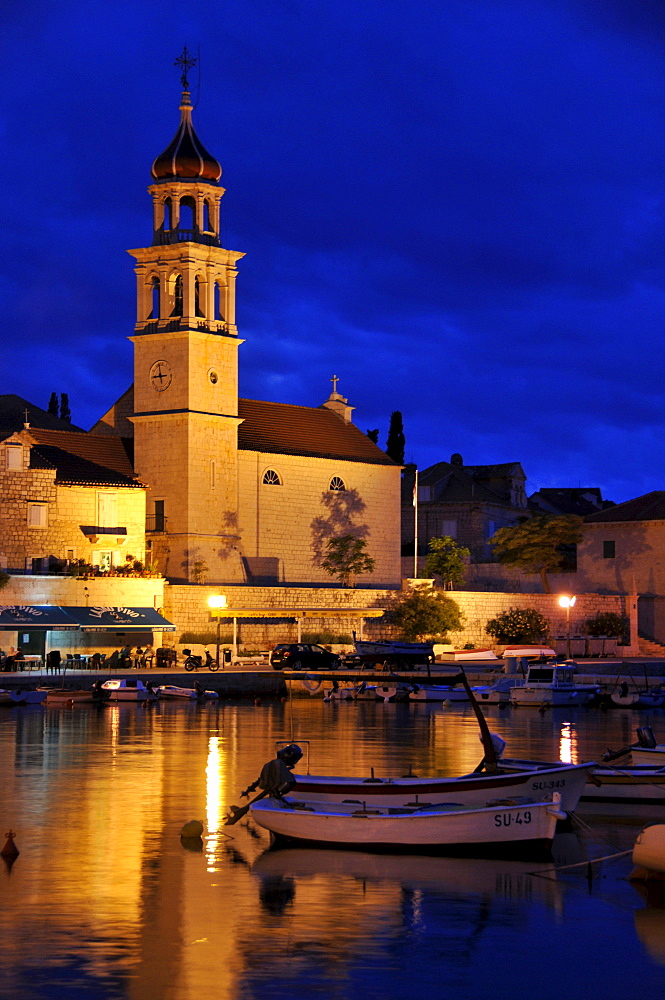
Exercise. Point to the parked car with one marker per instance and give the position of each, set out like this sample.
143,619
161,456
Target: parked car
303,656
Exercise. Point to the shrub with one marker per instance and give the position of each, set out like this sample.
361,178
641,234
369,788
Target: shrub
608,623
519,625
425,613
326,638
205,638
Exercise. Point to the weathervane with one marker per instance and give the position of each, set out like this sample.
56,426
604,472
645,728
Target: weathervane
186,61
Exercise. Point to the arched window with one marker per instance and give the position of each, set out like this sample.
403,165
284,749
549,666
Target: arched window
167,214
198,308
336,484
219,299
207,228
154,303
270,478
177,296
187,214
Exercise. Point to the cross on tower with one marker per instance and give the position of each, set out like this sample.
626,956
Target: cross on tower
187,61
335,380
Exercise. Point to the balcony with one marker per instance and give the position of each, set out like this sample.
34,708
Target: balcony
155,522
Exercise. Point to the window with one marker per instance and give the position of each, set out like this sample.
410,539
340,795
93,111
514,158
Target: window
154,305
270,478
37,515
159,516
107,510
336,483
218,305
14,453
198,310
609,550
177,296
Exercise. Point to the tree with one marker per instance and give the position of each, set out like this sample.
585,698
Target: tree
347,559
65,412
519,625
608,623
423,613
446,559
374,435
53,404
537,545
4,579
396,442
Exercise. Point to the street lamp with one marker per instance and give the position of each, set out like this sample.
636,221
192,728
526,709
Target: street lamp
567,603
216,603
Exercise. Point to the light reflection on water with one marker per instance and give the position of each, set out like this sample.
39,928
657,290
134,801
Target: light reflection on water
104,901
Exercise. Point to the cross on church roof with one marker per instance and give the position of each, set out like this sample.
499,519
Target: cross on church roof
187,61
335,380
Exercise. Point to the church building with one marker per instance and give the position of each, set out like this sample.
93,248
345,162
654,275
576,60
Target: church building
238,491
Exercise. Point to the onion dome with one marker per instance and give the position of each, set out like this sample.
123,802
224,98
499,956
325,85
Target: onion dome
186,158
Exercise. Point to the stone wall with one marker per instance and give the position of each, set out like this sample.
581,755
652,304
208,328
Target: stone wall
187,607
284,527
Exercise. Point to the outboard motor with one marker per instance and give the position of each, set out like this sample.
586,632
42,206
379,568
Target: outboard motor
645,737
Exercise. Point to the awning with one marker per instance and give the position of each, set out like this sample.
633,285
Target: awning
27,617
297,612
118,619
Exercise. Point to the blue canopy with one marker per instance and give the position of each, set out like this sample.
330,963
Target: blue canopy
28,617
108,619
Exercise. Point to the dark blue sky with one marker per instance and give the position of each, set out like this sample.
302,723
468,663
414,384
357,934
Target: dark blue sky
458,207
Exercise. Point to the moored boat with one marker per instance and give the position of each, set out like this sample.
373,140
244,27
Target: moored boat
185,694
128,689
552,685
8,698
514,778
69,696
627,786
503,826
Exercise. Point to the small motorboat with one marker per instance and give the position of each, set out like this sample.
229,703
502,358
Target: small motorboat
185,693
502,826
649,853
635,697
552,685
8,698
129,689
437,692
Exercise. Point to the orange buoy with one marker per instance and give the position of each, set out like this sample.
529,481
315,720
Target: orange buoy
10,850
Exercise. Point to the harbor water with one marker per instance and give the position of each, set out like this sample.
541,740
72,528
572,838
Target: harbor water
106,901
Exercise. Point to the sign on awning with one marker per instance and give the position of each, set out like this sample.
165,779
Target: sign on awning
106,619
34,616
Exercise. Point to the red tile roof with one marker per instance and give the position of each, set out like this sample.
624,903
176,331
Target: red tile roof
650,507
100,449
283,429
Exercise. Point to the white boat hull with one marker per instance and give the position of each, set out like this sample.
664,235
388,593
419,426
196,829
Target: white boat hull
555,697
638,699
631,786
437,692
649,850
488,830
128,689
520,778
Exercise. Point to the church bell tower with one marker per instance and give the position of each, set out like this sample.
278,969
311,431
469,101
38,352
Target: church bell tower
186,365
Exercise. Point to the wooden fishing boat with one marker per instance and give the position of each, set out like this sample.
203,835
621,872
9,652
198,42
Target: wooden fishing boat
627,786
514,778
128,689
9,698
552,685
652,756
437,692
503,826
69,696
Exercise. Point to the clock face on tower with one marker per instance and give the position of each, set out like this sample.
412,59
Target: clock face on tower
161,375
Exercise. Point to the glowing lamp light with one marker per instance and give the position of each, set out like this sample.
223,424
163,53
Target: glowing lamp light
567,603
215,603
